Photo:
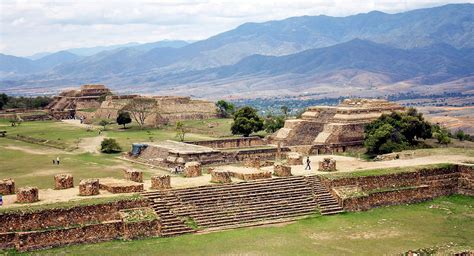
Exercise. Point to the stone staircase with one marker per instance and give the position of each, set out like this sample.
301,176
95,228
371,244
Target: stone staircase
327,203
240,204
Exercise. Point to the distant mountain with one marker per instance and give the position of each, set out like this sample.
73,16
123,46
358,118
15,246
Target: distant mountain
13,64
58,58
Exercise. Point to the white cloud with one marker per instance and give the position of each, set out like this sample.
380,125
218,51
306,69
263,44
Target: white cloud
27,27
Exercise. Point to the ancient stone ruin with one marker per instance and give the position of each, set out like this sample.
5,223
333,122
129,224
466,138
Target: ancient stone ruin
63,181
116,186
161,182
7,187
27,195
281,170
333,128
221,177
327,165
89,187
253,162
192,169
294,158
133,175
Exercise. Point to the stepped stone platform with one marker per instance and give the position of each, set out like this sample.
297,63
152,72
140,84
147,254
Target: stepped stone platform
244,173
120,186
240,204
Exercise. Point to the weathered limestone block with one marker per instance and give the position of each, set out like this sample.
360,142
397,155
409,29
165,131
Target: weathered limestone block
294,158
252,163
27,195
192,169
89,187
7,187
221,177
281,170
63,181
161,182
327,165
133,175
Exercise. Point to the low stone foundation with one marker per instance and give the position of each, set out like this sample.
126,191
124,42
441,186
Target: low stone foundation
294,158
192,169
327,165
252,163
161,182
252,176
116,186
89,187
133,175
63,181
7,187
221,177
281,170
27,195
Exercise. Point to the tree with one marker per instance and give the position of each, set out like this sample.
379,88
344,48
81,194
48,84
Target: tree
460,135
140,109
246,121
180,131
396,131
104,123
273,123
123,118
284,110
110,146
226,109
441,135
3,100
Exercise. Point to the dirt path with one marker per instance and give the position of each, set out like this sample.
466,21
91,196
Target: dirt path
92,144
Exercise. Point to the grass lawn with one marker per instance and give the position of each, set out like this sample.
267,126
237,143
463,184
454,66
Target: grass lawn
445,224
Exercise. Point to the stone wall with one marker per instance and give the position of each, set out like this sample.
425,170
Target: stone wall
244,142
466,180
23,221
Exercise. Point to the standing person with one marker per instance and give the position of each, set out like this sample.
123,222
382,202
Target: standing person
57,160
1,200
308,164
54,161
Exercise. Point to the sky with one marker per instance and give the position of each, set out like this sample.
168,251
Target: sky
32,26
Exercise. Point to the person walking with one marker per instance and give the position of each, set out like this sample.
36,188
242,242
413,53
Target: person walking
54,161
57,160
308,164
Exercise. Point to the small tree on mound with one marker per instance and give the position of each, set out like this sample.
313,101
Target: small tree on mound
123,118
396,131
110,146
246,121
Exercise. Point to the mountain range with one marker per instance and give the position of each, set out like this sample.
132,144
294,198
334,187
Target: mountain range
311,54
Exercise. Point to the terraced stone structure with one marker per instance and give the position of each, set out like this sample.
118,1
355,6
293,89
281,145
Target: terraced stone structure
69,102
7,187
333,128
167,110
27,195
63,181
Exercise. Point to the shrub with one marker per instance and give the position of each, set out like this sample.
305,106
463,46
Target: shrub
246,121
110,146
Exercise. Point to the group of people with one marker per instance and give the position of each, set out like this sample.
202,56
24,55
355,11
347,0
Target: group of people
178,169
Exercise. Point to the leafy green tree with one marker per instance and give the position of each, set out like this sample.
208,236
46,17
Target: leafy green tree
123,118
226,109
396,131
460,135
441,135
284,109
180,131
246,121
273,123
110,146
104,123
3,100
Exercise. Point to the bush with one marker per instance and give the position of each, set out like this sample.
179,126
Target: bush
110,146
273,123
246,121
124,118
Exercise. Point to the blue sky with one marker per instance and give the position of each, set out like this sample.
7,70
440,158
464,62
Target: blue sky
32,26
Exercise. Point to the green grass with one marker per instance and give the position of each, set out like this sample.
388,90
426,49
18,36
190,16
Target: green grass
446,222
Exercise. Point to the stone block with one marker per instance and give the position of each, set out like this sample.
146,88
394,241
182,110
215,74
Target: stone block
281,170
221,177
133,175
252,163
7,187
327,165
89,187
294,158
27,195
63,181
192,169
161,182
